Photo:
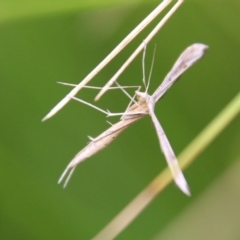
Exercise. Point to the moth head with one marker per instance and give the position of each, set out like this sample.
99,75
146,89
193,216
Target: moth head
141,96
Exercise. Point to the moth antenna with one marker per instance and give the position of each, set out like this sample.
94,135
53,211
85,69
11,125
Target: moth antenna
143,64
151,69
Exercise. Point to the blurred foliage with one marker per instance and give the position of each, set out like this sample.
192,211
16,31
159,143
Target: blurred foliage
49,41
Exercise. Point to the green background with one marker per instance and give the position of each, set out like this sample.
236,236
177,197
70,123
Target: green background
42,42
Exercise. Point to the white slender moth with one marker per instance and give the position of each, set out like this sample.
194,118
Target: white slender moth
137,110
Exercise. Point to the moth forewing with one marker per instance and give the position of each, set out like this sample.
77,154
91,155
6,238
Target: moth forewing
189,56
103,140
169,155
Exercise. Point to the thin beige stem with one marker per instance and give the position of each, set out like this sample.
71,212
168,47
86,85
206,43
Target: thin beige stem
137,205
109,57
